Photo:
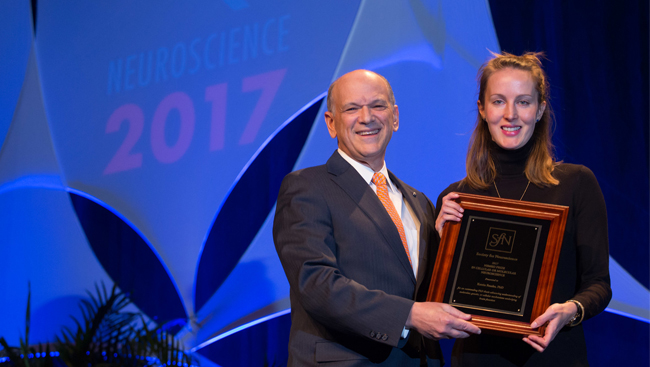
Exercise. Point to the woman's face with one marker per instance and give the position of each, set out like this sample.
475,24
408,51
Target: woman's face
511,108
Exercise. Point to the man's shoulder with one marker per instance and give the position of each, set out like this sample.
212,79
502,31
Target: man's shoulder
309,178
335,165
309,172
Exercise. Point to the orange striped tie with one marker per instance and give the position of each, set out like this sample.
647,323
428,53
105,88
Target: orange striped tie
382,191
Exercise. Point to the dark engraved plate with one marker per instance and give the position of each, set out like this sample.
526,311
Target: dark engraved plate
496,264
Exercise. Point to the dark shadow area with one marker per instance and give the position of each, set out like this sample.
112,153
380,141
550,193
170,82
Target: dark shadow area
129,261
598,70
614,340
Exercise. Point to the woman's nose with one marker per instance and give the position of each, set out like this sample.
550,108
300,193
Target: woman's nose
510,112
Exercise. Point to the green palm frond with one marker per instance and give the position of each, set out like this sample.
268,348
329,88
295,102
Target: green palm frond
19,356
104,336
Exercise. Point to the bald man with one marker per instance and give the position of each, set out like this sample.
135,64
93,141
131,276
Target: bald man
358,245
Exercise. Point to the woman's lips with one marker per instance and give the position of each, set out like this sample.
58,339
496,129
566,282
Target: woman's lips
510,130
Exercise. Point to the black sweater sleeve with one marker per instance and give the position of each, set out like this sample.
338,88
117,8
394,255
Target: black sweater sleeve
592,245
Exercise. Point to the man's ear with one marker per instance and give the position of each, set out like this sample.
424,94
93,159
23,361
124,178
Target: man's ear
396,118
329,121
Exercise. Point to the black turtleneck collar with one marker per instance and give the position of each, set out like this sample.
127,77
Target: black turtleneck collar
510,162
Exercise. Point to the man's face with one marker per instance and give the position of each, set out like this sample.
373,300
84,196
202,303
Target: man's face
363,119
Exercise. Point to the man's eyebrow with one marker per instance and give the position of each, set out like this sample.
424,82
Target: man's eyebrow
379,101
373,102
349,104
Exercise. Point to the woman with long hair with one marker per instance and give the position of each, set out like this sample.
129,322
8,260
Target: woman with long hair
511,156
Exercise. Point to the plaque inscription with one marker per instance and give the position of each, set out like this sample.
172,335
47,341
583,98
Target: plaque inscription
496,258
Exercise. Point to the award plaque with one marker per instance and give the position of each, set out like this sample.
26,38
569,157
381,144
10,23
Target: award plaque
498,263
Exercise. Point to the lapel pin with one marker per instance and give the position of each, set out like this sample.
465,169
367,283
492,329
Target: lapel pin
413,193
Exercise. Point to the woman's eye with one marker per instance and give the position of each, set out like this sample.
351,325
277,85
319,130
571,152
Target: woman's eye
524,103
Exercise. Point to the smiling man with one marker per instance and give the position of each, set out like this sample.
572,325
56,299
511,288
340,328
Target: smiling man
358,245
363,115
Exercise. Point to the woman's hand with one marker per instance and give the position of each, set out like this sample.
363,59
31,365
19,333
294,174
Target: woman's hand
557,316
450,210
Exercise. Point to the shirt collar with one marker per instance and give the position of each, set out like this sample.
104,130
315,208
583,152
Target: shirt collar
367,172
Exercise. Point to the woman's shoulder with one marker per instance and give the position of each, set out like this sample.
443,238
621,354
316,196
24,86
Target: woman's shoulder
570,171
456,186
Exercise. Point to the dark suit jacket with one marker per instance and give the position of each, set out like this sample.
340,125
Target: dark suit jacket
352,286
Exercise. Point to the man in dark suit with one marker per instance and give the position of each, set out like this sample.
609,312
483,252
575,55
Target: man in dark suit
357,245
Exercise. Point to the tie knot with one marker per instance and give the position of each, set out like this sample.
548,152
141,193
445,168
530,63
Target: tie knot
378,179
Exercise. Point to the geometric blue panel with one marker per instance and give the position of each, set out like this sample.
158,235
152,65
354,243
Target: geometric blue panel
15,45
248,204
130,261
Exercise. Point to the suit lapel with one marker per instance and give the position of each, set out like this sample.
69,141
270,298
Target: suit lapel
410,196
354,185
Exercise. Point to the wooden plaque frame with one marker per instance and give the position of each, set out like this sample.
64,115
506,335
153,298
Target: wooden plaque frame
556,214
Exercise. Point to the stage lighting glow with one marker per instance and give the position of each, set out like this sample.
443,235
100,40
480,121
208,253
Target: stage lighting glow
242,327
625,314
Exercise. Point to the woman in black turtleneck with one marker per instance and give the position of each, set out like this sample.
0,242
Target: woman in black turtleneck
511,156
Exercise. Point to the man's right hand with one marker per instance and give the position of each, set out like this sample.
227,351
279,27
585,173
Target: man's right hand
437,321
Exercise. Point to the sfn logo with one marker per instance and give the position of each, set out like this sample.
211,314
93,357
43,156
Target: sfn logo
500,240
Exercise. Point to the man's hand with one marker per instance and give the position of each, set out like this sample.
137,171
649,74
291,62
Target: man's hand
440,321
557,316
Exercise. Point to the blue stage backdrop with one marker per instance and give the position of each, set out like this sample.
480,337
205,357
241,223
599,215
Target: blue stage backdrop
143,145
